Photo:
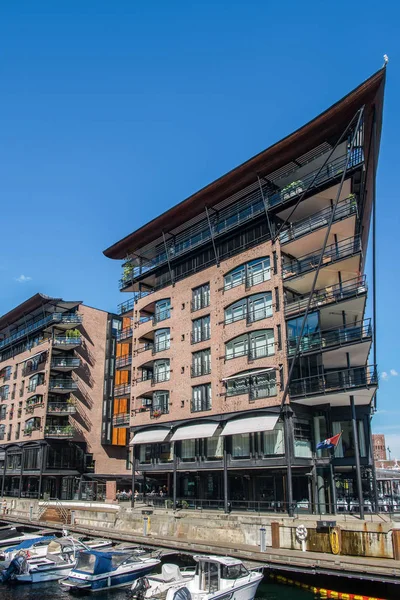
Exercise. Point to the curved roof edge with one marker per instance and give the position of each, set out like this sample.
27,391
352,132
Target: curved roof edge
277,155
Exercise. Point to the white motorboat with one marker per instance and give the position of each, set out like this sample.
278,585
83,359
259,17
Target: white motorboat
39,547
56,564
9,536
96,571
214,578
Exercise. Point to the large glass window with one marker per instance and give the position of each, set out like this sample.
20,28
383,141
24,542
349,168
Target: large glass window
201,329
253,272
273,441
310,332
241,445
31,458
201,363
257,384
214,447
162,340
302,439
345,448
257,344
161,402
162,310
253,308
145,453
3,411
161,370
201,397
34,381
188,449
201,297
4,391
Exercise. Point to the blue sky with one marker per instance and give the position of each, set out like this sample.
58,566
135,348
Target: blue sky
112,112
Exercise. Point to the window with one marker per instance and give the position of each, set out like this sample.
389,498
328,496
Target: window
162,340
161,402
14,461
345,448
241,445
17,431
311,332
162,310
5,373
273,441
302,439
201,363
32,424
257,344
3,411
4,391
214,447
2,432
201,397
201,297
234,572
201,329
252,273
188,450
257,384
161,370
145,453
34,381
253,308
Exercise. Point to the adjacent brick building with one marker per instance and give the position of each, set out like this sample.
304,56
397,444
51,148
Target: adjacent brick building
379,446
56,399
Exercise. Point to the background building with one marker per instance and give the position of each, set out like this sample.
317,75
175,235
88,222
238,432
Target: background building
255,277
379,446
56,399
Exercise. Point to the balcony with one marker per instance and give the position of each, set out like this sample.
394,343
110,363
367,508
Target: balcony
332,338
162,315
123,361
124,334
65,363
126,306
121,420
200,335
161,346
62,386
122,390
253,353
145,347
59,431
67,342
242,211
318,220
349,290
161,377
300,271
335,387
61,408
65,321
198,370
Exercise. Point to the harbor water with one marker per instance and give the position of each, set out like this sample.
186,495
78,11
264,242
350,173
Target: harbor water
52,590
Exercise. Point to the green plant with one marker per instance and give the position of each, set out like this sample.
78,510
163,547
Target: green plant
293,187
73,333
168,504
185,504
127,271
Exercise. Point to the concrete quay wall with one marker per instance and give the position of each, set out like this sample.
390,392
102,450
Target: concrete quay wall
375,537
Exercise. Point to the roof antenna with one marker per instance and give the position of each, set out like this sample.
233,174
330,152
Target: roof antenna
386,60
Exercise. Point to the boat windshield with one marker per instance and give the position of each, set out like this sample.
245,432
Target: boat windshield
233,572
86,562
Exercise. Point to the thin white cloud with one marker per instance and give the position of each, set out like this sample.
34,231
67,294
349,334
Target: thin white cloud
23,279
393,372
384,375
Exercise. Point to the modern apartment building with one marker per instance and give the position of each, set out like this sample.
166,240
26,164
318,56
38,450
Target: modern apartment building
246,339
56,399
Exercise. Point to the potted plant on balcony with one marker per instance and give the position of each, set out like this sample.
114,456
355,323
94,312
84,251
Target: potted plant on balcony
294,188
157,413
127,272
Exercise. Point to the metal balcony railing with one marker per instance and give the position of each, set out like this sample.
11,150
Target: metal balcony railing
243,211
73,318
61,408
65,362
67,341
63,384
261,351
145,347
122,390
339,336
121,420
198,370
160,377
334,381
309,262
200,335
258,314
126,306
200,302
161,346
351,288
59,431
123,361
124,334
161,316
344,209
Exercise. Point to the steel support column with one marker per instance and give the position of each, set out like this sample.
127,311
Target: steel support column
174,479
289,436
357,457
212,237
225,478
43,457
133,477
168,261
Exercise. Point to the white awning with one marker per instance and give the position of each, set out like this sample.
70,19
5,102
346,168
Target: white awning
250,425
193,432
250,373
150,436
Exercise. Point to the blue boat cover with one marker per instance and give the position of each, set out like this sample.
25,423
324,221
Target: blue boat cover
104,562
30,542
